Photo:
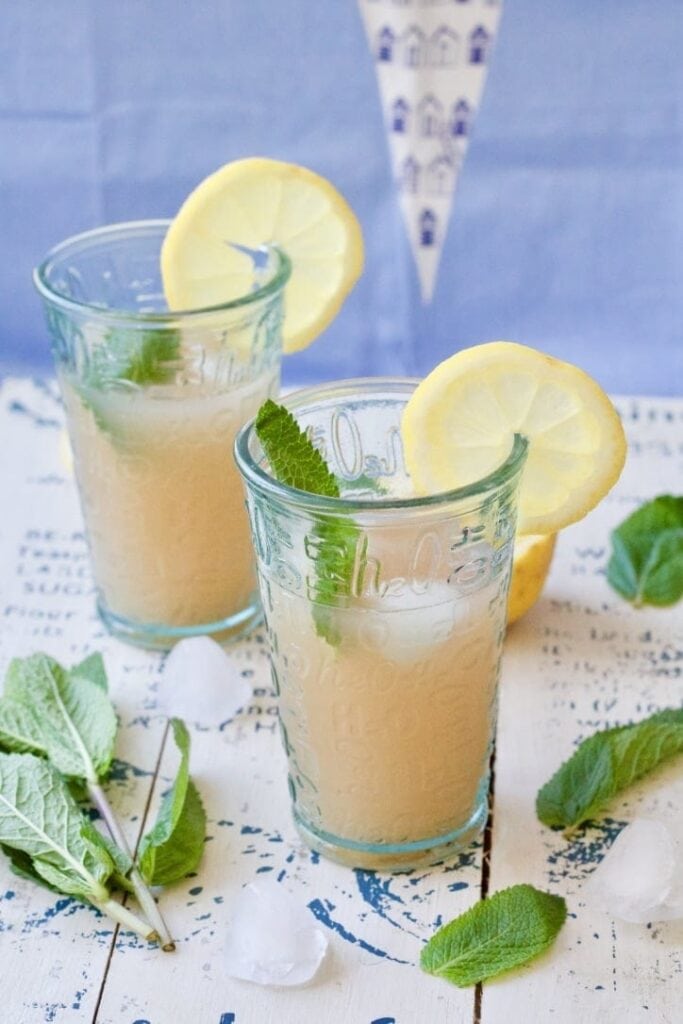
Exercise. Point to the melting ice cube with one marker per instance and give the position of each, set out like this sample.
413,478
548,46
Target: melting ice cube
641,877
201,684
272,937
406,628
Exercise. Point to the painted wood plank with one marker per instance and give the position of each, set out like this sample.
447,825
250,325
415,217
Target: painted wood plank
583,660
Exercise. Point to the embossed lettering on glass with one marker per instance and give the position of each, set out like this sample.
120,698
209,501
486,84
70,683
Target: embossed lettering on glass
386,615
153,400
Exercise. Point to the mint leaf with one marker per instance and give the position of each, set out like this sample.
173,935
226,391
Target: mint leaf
605,764
22,866
295,461
121,861
507,930
334,543
64,716
92,668
49,840
40,818
142,357
646,566
174,846
366,483
19,728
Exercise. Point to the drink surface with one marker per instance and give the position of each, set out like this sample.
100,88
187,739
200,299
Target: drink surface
162,500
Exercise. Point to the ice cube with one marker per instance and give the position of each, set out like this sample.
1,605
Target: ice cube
641,877
272,937
405,628
201,684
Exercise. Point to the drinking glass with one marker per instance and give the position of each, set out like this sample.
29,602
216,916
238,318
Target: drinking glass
386,614
154,399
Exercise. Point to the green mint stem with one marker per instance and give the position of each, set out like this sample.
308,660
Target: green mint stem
126,919
142,892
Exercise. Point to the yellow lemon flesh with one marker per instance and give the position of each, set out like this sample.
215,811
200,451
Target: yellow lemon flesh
531,562
66,456
256,202
460,422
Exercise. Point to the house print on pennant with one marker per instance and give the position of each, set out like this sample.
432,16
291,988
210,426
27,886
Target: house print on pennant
427,228
444,48
385,44
479,45
461,118
440,176
430,117
413,47
400,112
409,175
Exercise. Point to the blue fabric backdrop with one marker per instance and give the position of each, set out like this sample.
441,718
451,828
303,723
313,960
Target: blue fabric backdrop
567,227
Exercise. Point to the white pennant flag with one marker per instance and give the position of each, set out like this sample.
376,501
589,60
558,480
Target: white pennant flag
431,58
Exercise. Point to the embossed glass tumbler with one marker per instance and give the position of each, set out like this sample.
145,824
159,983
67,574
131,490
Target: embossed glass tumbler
386,615
154,399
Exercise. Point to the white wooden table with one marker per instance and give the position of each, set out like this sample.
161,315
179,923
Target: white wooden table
579,661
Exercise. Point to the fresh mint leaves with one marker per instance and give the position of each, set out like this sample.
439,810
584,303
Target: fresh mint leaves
175,845
60,715
142,357
333,542
295,461
65,717
605,764
51,839
646,566
509,929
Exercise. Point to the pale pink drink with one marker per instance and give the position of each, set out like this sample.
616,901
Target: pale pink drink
154,399
386,614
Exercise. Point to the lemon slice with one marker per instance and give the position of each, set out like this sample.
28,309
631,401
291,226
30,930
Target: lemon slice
66,455
460,423
530,564
256,202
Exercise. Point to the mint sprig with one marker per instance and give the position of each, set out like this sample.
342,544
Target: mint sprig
63,725
51,839
646,566
141,357
296,461
293,458
174,846
607,763
510,928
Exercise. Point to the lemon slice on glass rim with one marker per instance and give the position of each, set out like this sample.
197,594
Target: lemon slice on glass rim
256,202
460,422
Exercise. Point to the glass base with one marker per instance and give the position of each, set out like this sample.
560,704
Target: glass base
157,637
394,857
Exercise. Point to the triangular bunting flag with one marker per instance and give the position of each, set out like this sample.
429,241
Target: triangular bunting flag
431,58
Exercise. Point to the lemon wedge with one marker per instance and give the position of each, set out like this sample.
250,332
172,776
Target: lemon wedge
66,455
530,565
255,202
460,423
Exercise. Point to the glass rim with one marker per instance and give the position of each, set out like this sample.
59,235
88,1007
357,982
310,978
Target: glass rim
120,230
264,482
